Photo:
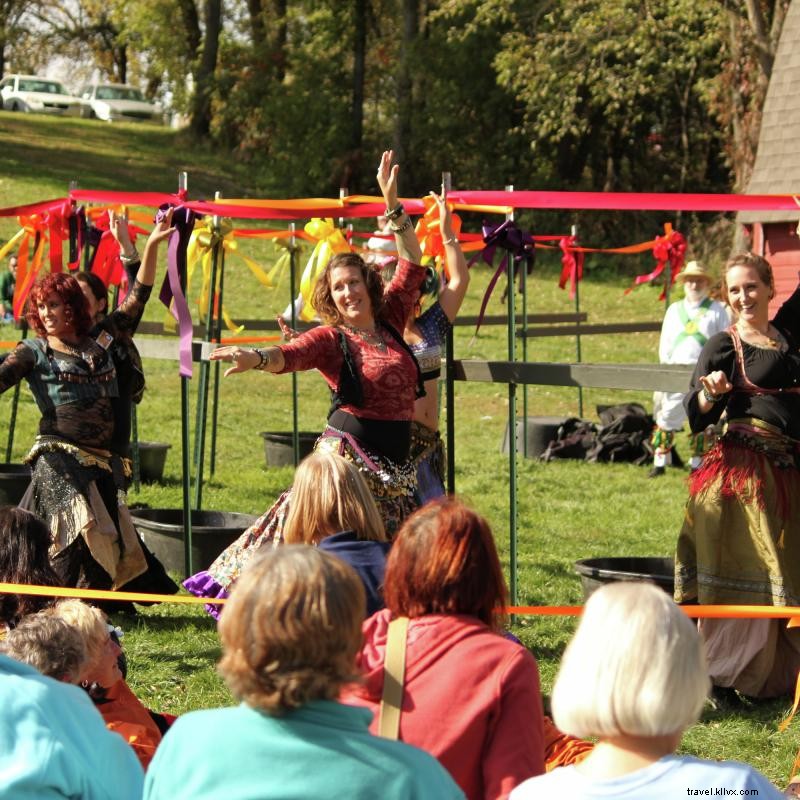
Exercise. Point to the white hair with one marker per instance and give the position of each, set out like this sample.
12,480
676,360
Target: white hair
634,667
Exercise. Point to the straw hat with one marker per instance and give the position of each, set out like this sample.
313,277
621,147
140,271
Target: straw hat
693,270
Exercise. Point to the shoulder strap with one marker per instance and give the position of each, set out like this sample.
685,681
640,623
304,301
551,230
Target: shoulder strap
394,673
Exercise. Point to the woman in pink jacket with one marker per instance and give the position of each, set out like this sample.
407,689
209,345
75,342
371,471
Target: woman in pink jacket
470,696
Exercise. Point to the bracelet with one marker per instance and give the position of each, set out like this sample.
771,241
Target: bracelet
451,240
263,359
129,259
711,398
397,229
394,213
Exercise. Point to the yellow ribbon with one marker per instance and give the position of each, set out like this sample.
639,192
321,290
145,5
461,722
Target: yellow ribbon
330,241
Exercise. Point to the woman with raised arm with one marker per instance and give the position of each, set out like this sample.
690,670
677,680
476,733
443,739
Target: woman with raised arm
78,483
373,376
740,542
425,333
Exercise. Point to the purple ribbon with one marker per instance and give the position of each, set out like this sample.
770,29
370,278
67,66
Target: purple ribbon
172,294
515,242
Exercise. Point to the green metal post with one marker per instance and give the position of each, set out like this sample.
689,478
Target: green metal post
12,423
512,431
217,337
293,294
578,335
449,383
201,412
186,444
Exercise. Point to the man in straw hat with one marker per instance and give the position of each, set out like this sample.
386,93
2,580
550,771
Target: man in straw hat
688,325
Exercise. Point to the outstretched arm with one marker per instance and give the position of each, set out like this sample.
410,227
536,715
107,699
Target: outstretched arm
243,359
161,231
452,294
404,236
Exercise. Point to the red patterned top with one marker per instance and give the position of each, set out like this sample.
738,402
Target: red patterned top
388,378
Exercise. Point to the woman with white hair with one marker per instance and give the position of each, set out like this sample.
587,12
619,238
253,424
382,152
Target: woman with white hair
634,675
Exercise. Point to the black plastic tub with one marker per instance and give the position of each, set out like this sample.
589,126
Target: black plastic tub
279,448
152,458
14,482
595,572
212,532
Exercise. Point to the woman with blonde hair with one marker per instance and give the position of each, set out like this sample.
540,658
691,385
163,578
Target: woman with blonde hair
634,675
290,636
334,510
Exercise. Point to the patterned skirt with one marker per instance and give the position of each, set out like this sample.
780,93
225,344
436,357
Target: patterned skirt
428,456
740,544
393,487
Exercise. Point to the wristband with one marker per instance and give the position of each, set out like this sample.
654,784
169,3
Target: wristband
263,359
401,228
129,259
451,240
711,398
394,213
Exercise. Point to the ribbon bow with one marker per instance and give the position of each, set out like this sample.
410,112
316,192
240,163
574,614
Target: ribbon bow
671,247
571,264
516,243
330,241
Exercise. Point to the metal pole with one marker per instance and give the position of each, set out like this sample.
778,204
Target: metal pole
186,443
449,385
201,412
574,232
12,423
293,292
512,431
218,337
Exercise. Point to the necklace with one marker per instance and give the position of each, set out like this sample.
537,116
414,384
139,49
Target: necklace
761,339
371,337
84,354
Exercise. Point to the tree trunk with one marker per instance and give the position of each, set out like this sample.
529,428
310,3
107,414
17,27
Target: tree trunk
204,74
403,130
352,176
258,32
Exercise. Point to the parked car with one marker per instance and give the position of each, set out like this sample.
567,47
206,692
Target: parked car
116,102
29,93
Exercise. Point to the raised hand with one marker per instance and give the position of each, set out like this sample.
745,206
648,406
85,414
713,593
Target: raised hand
162,230
118,225
387,178
716,383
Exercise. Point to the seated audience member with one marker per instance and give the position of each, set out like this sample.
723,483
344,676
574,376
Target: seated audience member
470,696
102,680
53,743
24,558
49,645
290,634
635,676
334,510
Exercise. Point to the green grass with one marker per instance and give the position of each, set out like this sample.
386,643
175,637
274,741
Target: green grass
567,511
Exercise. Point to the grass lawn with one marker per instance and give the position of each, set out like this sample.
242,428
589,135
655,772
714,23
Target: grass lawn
567,510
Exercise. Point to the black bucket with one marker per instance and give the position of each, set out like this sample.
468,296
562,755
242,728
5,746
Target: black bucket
279,448
212,532
14,482
595,572
538,434
152,457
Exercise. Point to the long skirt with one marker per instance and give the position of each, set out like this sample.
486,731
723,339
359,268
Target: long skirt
81,497
393,486
740,544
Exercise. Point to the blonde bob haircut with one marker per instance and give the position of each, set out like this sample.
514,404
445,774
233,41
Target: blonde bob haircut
291,629
329,495
90,622
634,667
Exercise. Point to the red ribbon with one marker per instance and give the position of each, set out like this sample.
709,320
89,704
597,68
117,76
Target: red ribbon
571,264
671,247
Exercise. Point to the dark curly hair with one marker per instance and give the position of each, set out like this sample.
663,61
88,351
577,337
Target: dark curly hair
322,299
24,558
76,309
97,287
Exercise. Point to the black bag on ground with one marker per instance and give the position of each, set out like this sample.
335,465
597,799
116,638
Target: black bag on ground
574,438
624,434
